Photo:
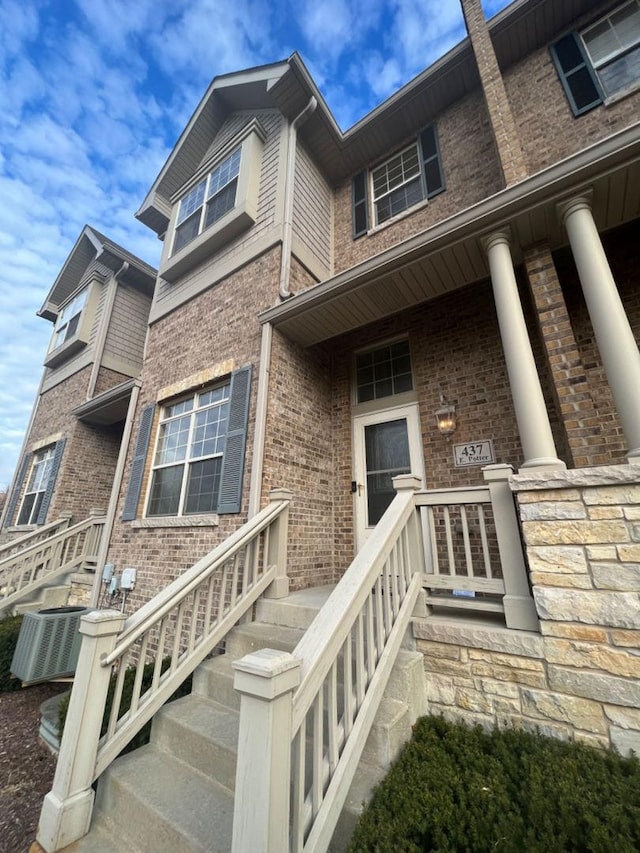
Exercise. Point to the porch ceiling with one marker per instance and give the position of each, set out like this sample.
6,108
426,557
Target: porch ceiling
449,255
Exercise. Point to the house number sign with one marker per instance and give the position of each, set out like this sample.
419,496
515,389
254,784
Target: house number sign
473,453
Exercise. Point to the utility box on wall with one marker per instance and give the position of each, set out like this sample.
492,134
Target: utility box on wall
48,645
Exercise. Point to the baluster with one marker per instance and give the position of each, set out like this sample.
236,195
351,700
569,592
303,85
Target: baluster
194,619
380,627
348,714
298,772
117,695
450,554
223,591
318,754
137,683
157,667
175,654
332,717
395,593
234,583
467,542
372,657
485,542
360,671
209,607
388,621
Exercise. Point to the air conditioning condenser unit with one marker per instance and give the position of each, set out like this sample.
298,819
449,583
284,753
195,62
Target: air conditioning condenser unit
48,644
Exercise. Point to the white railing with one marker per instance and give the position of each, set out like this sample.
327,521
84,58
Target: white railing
21,542
473,552
305,717
68,550
174,631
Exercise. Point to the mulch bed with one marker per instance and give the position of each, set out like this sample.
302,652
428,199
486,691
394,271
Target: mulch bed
26,765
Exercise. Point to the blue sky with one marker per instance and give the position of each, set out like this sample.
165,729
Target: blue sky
94,93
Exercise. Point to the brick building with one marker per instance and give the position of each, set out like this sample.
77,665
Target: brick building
449,285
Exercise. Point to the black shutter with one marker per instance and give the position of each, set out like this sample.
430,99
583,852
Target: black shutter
51,482
137,467
17,488
233,462
431,162
579,80
359,203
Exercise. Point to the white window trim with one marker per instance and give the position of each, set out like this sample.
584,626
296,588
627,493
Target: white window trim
80,338
418,176
46,458
613,56
241,216
157,520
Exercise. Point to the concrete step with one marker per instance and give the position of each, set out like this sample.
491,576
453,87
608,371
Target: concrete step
202,733
162,804
297,610
48,596
367,776
253,636
214,679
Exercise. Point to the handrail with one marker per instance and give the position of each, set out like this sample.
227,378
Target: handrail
173,632
154,610
33,567
341,668
22,542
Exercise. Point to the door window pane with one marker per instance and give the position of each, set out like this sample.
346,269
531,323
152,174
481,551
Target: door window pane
387,455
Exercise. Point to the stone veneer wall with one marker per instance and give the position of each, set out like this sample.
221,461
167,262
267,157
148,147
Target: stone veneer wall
579,678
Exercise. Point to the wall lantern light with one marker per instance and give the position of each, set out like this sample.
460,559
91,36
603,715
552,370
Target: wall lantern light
446,417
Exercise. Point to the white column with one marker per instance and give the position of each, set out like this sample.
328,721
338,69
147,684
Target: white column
617,345
530,408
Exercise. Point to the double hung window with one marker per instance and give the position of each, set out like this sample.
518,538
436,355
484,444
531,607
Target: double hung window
187,464
402,181
613,46
36,486
69,319
602,60
208,201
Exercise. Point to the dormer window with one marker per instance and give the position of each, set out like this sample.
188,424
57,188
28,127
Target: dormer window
217,204
208,202
73,326
69,319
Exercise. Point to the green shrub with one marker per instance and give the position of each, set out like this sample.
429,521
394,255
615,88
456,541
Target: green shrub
458,790
9,631
142,736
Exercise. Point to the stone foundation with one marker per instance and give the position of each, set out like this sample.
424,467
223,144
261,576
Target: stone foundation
579,678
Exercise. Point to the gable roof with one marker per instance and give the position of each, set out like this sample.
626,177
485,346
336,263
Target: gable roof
521,27
94,249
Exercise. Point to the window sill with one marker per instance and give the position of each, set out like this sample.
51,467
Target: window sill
229,226
624,93
400,216
177,521
62,353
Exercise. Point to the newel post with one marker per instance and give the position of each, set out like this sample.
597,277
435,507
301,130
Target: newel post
519,608
66,811
277,550
412,483
266,681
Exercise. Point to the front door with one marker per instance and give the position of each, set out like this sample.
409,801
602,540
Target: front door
386,444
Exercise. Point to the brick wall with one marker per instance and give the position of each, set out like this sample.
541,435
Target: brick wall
471,170
579,678
86,473
219,325
548,129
